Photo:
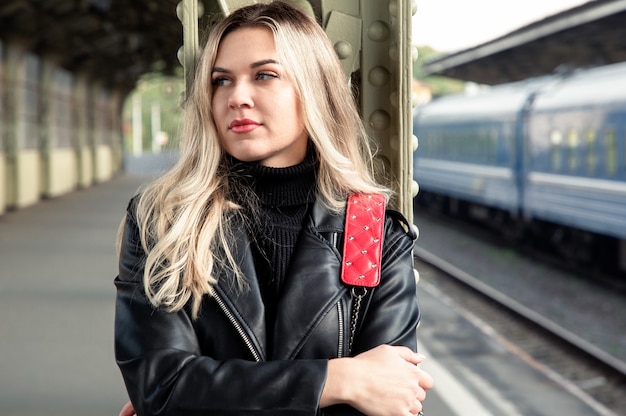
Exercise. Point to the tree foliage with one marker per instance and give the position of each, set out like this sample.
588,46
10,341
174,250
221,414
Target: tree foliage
438,85
155,90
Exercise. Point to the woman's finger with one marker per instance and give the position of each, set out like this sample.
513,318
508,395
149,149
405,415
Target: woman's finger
127,410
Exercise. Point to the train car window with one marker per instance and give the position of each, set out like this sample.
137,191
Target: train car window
591,152
439,142
610,146
493,146
433,144
556,156
425,148
572,149
484,156
447,149
505,145
443,145
429,143
463,144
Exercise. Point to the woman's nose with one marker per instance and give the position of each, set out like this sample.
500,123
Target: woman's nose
241,95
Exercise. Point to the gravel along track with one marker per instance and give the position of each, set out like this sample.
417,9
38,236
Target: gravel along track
559,360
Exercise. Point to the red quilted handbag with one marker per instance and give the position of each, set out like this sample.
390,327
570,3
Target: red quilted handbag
362,249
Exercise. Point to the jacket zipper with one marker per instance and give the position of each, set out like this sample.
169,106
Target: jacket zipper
340,353
246,339
341,329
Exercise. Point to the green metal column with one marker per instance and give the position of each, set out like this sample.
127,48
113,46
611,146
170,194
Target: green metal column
188,12
373,41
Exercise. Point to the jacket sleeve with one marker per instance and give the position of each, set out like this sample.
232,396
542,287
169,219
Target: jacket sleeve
166,374
393,312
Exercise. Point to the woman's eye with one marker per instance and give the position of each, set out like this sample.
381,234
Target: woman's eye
263,76
221,81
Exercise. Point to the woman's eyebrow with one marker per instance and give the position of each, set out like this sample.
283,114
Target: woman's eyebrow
252,65
264,62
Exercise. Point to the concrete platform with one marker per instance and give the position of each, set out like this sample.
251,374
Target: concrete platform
57,264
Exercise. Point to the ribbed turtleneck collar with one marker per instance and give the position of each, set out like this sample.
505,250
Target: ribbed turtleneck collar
280,187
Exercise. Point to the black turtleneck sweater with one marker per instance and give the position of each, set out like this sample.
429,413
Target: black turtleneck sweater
275,202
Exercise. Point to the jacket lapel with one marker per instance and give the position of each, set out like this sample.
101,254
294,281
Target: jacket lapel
312,285
245,305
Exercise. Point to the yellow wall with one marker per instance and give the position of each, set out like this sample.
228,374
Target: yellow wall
85,167
3,200
62,172
28,177
104,163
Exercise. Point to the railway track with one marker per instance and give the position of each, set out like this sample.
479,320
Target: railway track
577,364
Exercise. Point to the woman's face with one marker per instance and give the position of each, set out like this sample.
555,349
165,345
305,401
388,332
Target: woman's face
255,106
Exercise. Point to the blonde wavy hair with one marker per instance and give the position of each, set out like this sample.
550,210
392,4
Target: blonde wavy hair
183,215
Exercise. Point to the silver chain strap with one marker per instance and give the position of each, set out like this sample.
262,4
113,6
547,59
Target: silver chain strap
357,296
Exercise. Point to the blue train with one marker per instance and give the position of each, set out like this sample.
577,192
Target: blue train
544,157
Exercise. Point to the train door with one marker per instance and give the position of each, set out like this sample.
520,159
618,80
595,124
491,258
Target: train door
522,151
373,41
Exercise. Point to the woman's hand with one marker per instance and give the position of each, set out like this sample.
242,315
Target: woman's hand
382,381
128,410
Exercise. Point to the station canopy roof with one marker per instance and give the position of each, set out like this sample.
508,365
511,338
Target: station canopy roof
115,41
588,35
112,41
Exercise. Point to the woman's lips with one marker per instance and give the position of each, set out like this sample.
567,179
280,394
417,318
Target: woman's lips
243,125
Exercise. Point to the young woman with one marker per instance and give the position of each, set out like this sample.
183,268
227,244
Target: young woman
229,298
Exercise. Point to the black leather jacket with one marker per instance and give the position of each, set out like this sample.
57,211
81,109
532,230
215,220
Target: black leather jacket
219,364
